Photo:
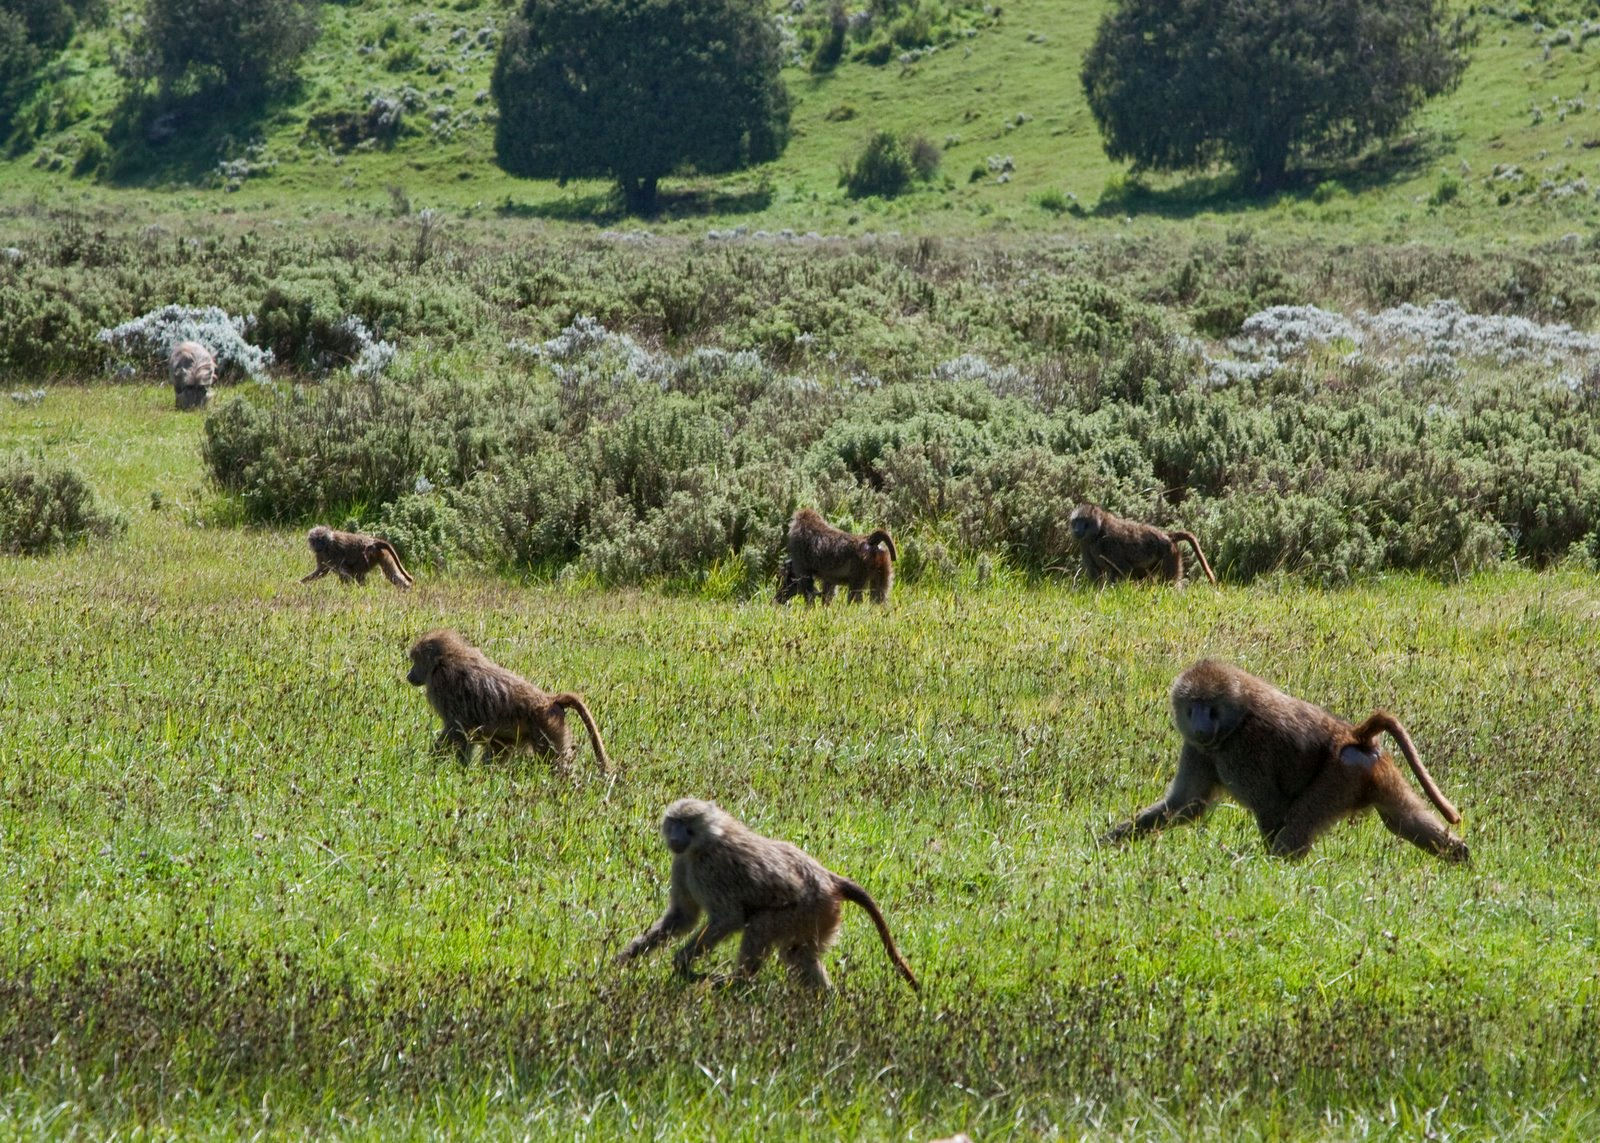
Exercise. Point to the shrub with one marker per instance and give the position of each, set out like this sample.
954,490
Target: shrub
425,527
45,505
830,45
298,454
925,156
243,48
149,338
882,167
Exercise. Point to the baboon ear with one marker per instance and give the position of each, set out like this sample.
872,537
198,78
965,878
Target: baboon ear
1358,758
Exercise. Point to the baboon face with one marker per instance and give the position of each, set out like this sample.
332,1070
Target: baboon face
687,821
1085,525
1206,723
1206,705
425,653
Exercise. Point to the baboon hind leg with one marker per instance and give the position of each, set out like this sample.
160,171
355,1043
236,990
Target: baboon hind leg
1334,794
805,966
1407,814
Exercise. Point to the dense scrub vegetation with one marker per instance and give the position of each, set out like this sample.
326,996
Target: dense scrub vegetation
641,409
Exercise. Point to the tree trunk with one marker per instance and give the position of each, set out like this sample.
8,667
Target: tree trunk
639,196
1271,167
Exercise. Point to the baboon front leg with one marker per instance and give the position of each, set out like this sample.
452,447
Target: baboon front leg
1191,794
829,589
322,570
717,930
679,918
454,738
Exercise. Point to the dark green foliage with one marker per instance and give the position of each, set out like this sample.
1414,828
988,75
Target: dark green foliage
882,168
887,164
237,50
1264,84
637,89
830,43
46,505
31,31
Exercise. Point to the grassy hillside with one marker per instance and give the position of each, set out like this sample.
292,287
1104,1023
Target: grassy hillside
1514,153
241,896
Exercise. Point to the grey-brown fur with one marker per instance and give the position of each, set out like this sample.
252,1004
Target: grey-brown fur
1113,548
193,371
353,555
780,896
1293,765
480,701
819,551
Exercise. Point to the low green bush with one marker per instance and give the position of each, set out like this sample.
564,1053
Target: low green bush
45,505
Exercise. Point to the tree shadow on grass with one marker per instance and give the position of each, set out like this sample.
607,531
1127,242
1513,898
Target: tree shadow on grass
604,207
179,141
1224,192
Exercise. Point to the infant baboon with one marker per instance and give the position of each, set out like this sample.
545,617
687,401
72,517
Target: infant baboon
1113,548
352,555
816,549
480,701
781,896
1293,765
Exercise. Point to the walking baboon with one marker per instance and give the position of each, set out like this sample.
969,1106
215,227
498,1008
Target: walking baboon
781,896
818,550
1293,765
480,701
1113,548
353,555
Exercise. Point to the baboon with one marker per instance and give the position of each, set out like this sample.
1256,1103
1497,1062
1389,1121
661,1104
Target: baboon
781,896
1113,548
481,701
352,555
1293,765
818,550
193,371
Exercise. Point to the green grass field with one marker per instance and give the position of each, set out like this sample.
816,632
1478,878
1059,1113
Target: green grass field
241,896
1509,156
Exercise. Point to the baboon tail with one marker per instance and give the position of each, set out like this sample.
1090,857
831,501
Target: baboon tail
881,536
850,891
571,701
1188,538
1382,720
395,570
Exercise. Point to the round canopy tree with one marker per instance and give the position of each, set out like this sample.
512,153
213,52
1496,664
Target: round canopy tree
636,89
1261,84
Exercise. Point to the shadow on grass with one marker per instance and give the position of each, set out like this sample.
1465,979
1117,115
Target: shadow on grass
605,207
1225,193
161,141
